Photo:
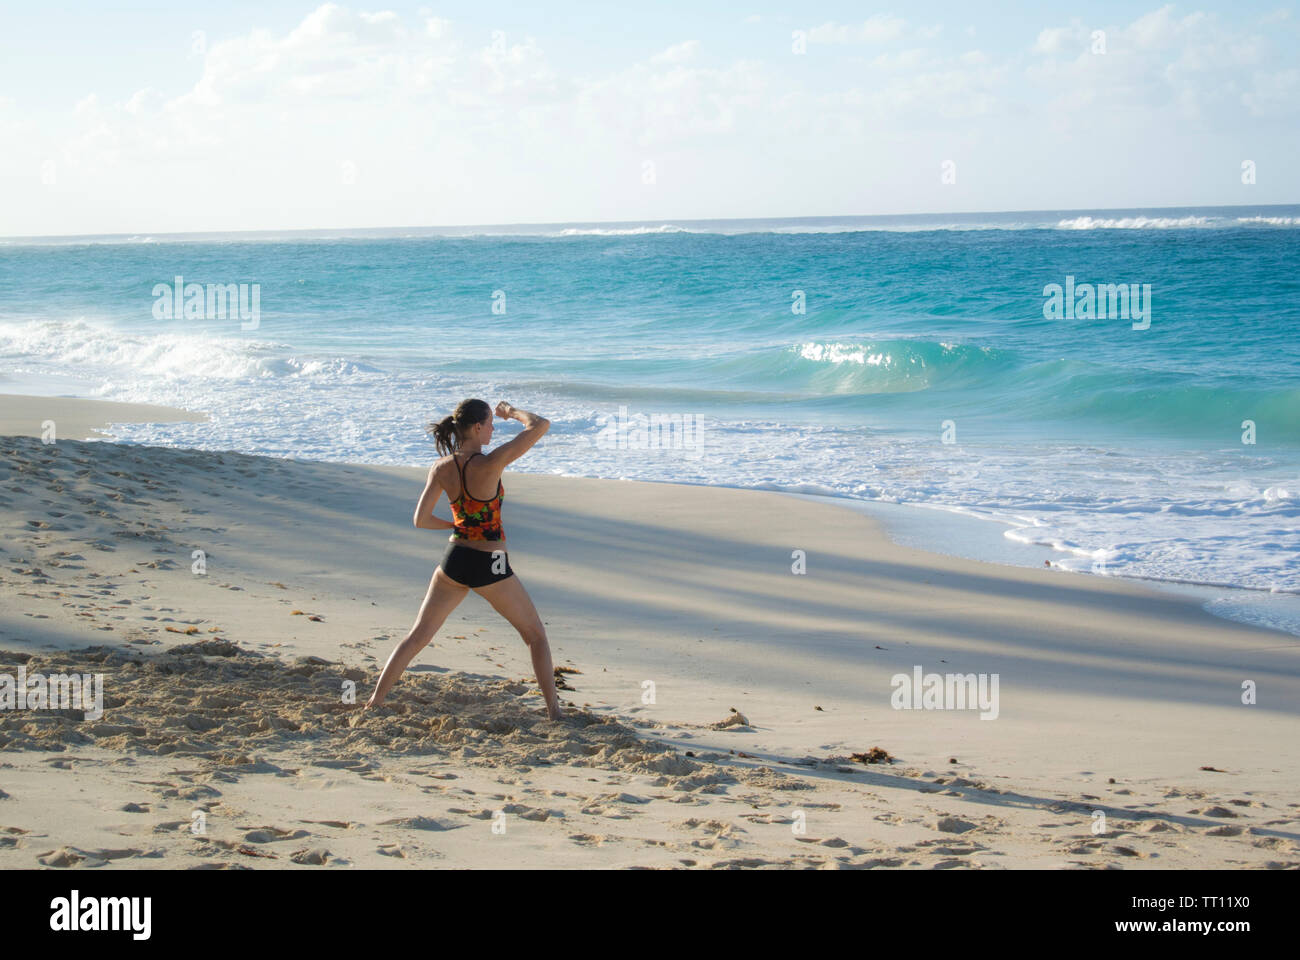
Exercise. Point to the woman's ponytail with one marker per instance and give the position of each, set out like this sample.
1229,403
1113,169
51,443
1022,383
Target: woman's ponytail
447,431
445,436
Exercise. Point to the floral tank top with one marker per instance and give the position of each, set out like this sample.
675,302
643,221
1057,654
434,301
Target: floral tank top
476,519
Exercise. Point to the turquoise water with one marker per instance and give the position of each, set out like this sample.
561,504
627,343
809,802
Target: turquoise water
1117,448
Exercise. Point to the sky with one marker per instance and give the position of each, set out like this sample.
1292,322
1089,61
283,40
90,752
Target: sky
179,117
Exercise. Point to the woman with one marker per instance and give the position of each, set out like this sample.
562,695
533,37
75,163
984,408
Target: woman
476,557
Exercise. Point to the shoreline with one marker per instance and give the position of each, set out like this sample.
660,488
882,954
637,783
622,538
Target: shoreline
906,524
679,607
80,418
916,525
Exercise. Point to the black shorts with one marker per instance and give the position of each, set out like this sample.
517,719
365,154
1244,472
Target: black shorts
475,568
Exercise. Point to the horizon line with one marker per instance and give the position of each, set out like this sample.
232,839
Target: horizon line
642,222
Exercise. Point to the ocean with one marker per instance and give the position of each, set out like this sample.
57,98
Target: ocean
1117,391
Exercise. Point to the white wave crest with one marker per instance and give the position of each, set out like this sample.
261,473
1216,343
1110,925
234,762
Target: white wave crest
1132,223
1272,221
844,353
79,347
628,232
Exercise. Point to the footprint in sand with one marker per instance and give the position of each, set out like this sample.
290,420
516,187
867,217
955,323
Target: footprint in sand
1215,811
316,856
74,857
519,810
835,842
766,818
536,814
723,835
110,853
953,825
879,862
1273,843
171,826
1159,826
65,857
1092,846
421,823
1130,852
13,841
273,834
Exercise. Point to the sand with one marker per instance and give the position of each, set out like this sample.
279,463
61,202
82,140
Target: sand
717,701
78,419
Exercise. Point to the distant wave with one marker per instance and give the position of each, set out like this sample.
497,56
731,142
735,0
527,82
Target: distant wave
1133,223
98,350
783,229
625,232
1272,221
1171,223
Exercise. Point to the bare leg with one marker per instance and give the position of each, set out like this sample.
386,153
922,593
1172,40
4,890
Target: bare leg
443,596
509,598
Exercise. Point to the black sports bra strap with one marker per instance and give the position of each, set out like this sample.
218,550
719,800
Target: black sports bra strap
462,472
464,490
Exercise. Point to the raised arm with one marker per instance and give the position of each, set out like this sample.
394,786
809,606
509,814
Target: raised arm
512,450
424,518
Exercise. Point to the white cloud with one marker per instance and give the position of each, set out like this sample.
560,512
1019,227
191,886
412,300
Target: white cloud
1275,93
879,28
147,100
1194,66
1159,28
677,54
903,60
1052,40
653,104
